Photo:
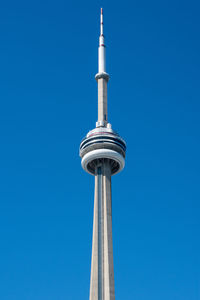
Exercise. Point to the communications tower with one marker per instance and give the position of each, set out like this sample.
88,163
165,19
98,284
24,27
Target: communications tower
103,154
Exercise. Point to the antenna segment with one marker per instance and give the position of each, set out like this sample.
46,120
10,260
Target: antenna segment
102,78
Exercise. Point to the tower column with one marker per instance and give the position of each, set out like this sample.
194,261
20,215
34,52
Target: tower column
102,100
102,273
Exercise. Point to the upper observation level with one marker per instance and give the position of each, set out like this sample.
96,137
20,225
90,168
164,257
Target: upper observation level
102,142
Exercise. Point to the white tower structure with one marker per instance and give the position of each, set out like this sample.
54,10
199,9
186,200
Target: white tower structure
103,155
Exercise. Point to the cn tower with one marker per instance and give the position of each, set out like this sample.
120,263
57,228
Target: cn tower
103,154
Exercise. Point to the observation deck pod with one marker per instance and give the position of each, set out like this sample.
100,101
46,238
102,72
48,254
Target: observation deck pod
102,143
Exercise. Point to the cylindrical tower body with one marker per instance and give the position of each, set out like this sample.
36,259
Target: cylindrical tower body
102,272
102,100
102,57
103,154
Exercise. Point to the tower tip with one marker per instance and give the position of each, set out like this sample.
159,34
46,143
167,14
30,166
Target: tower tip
101,22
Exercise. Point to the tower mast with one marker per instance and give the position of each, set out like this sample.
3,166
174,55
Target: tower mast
103,155
102,50
102,78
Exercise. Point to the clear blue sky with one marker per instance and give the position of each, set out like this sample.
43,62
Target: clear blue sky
48,102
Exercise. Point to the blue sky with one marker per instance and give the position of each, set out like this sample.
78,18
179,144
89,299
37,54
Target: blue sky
48,102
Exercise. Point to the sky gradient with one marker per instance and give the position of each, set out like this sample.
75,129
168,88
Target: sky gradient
48,102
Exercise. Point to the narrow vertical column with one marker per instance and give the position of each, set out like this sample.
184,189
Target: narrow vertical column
109,291
102,78
100,233
102,100
102,273
102,50
94,279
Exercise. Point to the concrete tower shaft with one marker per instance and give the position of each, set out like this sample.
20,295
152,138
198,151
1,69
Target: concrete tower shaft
102,102
102,272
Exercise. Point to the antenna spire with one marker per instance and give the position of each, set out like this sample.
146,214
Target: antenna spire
102,50
102,78
101,22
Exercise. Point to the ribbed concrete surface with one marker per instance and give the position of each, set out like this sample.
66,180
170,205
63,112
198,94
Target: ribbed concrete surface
102,100
102,273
